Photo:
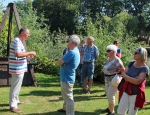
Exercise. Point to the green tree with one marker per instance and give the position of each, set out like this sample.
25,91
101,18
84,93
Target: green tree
24,5
61,14
105,32
135,7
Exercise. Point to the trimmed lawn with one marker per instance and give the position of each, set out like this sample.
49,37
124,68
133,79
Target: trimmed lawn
46,99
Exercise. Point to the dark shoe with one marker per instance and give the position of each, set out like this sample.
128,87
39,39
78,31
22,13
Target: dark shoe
106,111
80,85
83,91
21,102
15,110
110,113
61,110
104,95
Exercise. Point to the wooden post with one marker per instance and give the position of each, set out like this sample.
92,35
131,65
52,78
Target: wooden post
11,8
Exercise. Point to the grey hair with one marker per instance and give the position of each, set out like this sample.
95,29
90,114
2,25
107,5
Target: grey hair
112,47
75,39
143,53
91,38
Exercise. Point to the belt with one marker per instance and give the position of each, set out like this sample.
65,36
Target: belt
109,75
88,62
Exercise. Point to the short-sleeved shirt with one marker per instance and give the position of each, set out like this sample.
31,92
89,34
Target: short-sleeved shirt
134,72
65,51
81,49
118,54
67,71
119,51
112,67
90,53
17,65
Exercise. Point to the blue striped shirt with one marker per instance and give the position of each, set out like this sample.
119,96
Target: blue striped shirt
17,65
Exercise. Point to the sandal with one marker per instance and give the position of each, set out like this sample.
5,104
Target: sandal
88,92
15,110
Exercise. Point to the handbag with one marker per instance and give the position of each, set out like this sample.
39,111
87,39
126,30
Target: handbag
120,85
116,80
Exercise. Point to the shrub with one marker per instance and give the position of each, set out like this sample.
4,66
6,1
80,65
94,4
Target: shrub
47,66
105,31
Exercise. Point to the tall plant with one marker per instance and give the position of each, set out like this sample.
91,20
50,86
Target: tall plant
105,31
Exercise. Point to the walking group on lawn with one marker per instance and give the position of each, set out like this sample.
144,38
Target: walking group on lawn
133,77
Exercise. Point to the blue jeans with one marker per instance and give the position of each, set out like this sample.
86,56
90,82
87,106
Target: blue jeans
80,74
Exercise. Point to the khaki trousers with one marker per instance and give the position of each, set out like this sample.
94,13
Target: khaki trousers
67,94
111,90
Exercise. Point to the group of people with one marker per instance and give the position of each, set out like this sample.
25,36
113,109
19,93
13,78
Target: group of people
83,58
134,74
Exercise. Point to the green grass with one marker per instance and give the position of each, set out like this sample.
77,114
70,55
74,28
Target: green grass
46,99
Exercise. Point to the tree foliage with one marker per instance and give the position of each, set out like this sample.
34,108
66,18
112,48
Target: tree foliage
66,14
61,14
103,20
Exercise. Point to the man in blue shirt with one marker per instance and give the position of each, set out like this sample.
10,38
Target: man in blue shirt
91,53
68,64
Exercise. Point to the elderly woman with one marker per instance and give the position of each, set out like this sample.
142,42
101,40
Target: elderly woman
133,92
111,68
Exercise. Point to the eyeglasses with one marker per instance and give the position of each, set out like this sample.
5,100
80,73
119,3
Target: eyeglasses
108,50
136,53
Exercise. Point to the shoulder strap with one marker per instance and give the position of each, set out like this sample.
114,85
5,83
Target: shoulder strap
131,63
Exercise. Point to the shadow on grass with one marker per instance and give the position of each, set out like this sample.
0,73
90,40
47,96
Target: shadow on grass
1,105
80,98
43,93
92,90
145,108
4,110
5,106
48,84
86,97
49,81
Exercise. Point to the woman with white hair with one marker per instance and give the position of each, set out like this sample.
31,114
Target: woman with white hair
133,91
111,68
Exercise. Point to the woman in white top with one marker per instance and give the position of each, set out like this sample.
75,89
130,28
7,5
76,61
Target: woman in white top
111,68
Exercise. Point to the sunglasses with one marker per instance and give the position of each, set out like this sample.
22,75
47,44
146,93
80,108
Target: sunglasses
108,50
136,53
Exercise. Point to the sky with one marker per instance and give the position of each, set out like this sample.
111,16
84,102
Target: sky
6,2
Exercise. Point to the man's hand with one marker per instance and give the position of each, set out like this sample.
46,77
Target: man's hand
32,54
